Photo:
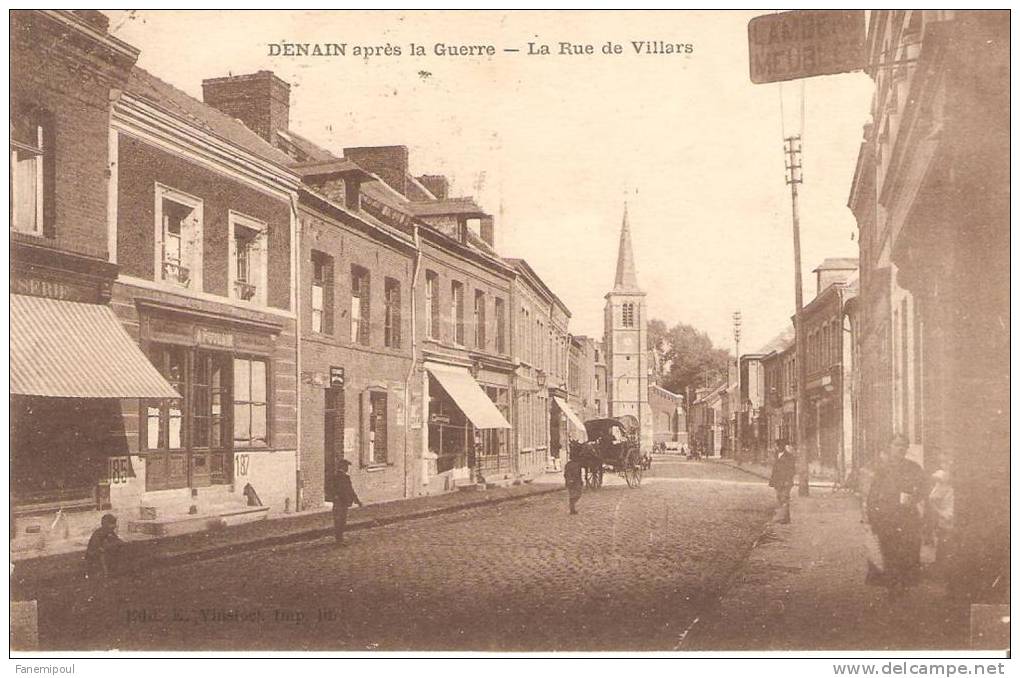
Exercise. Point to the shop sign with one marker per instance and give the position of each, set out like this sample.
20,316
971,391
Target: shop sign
51,289
336,376
805,43
207,337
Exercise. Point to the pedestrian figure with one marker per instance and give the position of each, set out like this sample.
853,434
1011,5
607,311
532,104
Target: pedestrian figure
783,471
343,497
940,510
894,513
101,555
575,485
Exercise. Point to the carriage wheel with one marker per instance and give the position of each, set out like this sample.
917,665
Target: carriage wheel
632,475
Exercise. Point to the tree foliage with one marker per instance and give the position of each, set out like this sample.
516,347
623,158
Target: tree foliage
687,360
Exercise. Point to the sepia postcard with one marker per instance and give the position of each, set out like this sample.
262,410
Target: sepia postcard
511,332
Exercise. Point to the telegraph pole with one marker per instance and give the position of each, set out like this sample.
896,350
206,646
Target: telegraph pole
738,452
792,148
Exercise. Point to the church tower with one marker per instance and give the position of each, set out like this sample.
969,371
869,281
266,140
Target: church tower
626,328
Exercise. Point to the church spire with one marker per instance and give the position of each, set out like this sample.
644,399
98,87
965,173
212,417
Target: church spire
626,274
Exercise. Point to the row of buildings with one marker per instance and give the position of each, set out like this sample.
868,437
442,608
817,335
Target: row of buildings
209,311
912,339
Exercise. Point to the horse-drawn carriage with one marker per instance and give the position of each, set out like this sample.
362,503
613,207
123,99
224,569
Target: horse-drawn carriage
613,445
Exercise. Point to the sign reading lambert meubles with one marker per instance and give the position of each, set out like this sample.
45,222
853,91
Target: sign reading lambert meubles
805,43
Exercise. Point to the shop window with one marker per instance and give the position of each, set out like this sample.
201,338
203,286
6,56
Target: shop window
249,259
322,293
432,305
31,180
457,311
165,419
360,313
178,238
500,326
374,439
250,403
391,327
479,313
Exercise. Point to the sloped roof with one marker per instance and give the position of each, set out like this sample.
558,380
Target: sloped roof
306,147
837,263
450,206
328,167
173,101
779,342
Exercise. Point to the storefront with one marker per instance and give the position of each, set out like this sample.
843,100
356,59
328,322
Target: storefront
468,431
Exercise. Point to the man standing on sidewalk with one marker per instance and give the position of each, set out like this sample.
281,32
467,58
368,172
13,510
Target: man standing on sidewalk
343,497
783,472
894,513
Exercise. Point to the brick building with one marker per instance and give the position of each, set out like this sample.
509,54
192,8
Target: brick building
355,267
931,198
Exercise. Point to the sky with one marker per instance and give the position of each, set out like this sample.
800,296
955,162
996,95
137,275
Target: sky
553,144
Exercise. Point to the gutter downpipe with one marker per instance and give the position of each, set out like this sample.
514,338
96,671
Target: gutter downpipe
414,358
296,301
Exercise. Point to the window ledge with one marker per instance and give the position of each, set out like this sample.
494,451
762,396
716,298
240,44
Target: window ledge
375,468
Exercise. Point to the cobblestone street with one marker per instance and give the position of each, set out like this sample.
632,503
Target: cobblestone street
631,571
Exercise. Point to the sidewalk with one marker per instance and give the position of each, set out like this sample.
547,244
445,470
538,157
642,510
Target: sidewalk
53,570
802,588
765,471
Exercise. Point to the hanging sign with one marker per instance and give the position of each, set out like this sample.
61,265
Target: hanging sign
805,43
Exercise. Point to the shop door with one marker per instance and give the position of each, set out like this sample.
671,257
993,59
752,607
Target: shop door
210,457
333,436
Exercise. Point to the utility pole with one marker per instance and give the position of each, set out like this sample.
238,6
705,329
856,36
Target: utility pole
792,148
738,451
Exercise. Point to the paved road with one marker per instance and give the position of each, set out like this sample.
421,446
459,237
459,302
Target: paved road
631,571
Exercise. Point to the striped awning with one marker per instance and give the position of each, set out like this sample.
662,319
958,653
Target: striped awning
66,349
469,396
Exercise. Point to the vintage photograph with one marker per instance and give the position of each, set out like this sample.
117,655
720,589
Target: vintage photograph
510,332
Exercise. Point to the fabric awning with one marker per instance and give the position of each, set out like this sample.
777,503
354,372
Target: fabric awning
67,349
572,416
469,396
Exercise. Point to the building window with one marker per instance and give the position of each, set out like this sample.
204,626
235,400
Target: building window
250,403
432,305
165,419
179,238
249,259
375,443
391,330
479,319
360,313
322,293
457,311
500,326
210,391
31,170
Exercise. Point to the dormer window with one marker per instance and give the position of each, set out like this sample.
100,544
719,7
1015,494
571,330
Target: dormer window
248,259
178,238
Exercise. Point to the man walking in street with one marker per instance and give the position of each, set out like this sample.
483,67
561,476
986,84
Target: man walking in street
572,475
894,513
343,497
782,480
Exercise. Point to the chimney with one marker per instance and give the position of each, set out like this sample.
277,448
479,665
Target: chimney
437,185
352,193
389,163
487,230
260,100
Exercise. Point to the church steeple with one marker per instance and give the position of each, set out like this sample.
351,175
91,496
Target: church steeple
626,274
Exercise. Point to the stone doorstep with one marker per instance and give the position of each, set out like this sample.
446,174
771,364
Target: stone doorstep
213,517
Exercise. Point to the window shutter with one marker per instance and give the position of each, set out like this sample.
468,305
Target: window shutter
327,296
366,413
366,313
382,450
